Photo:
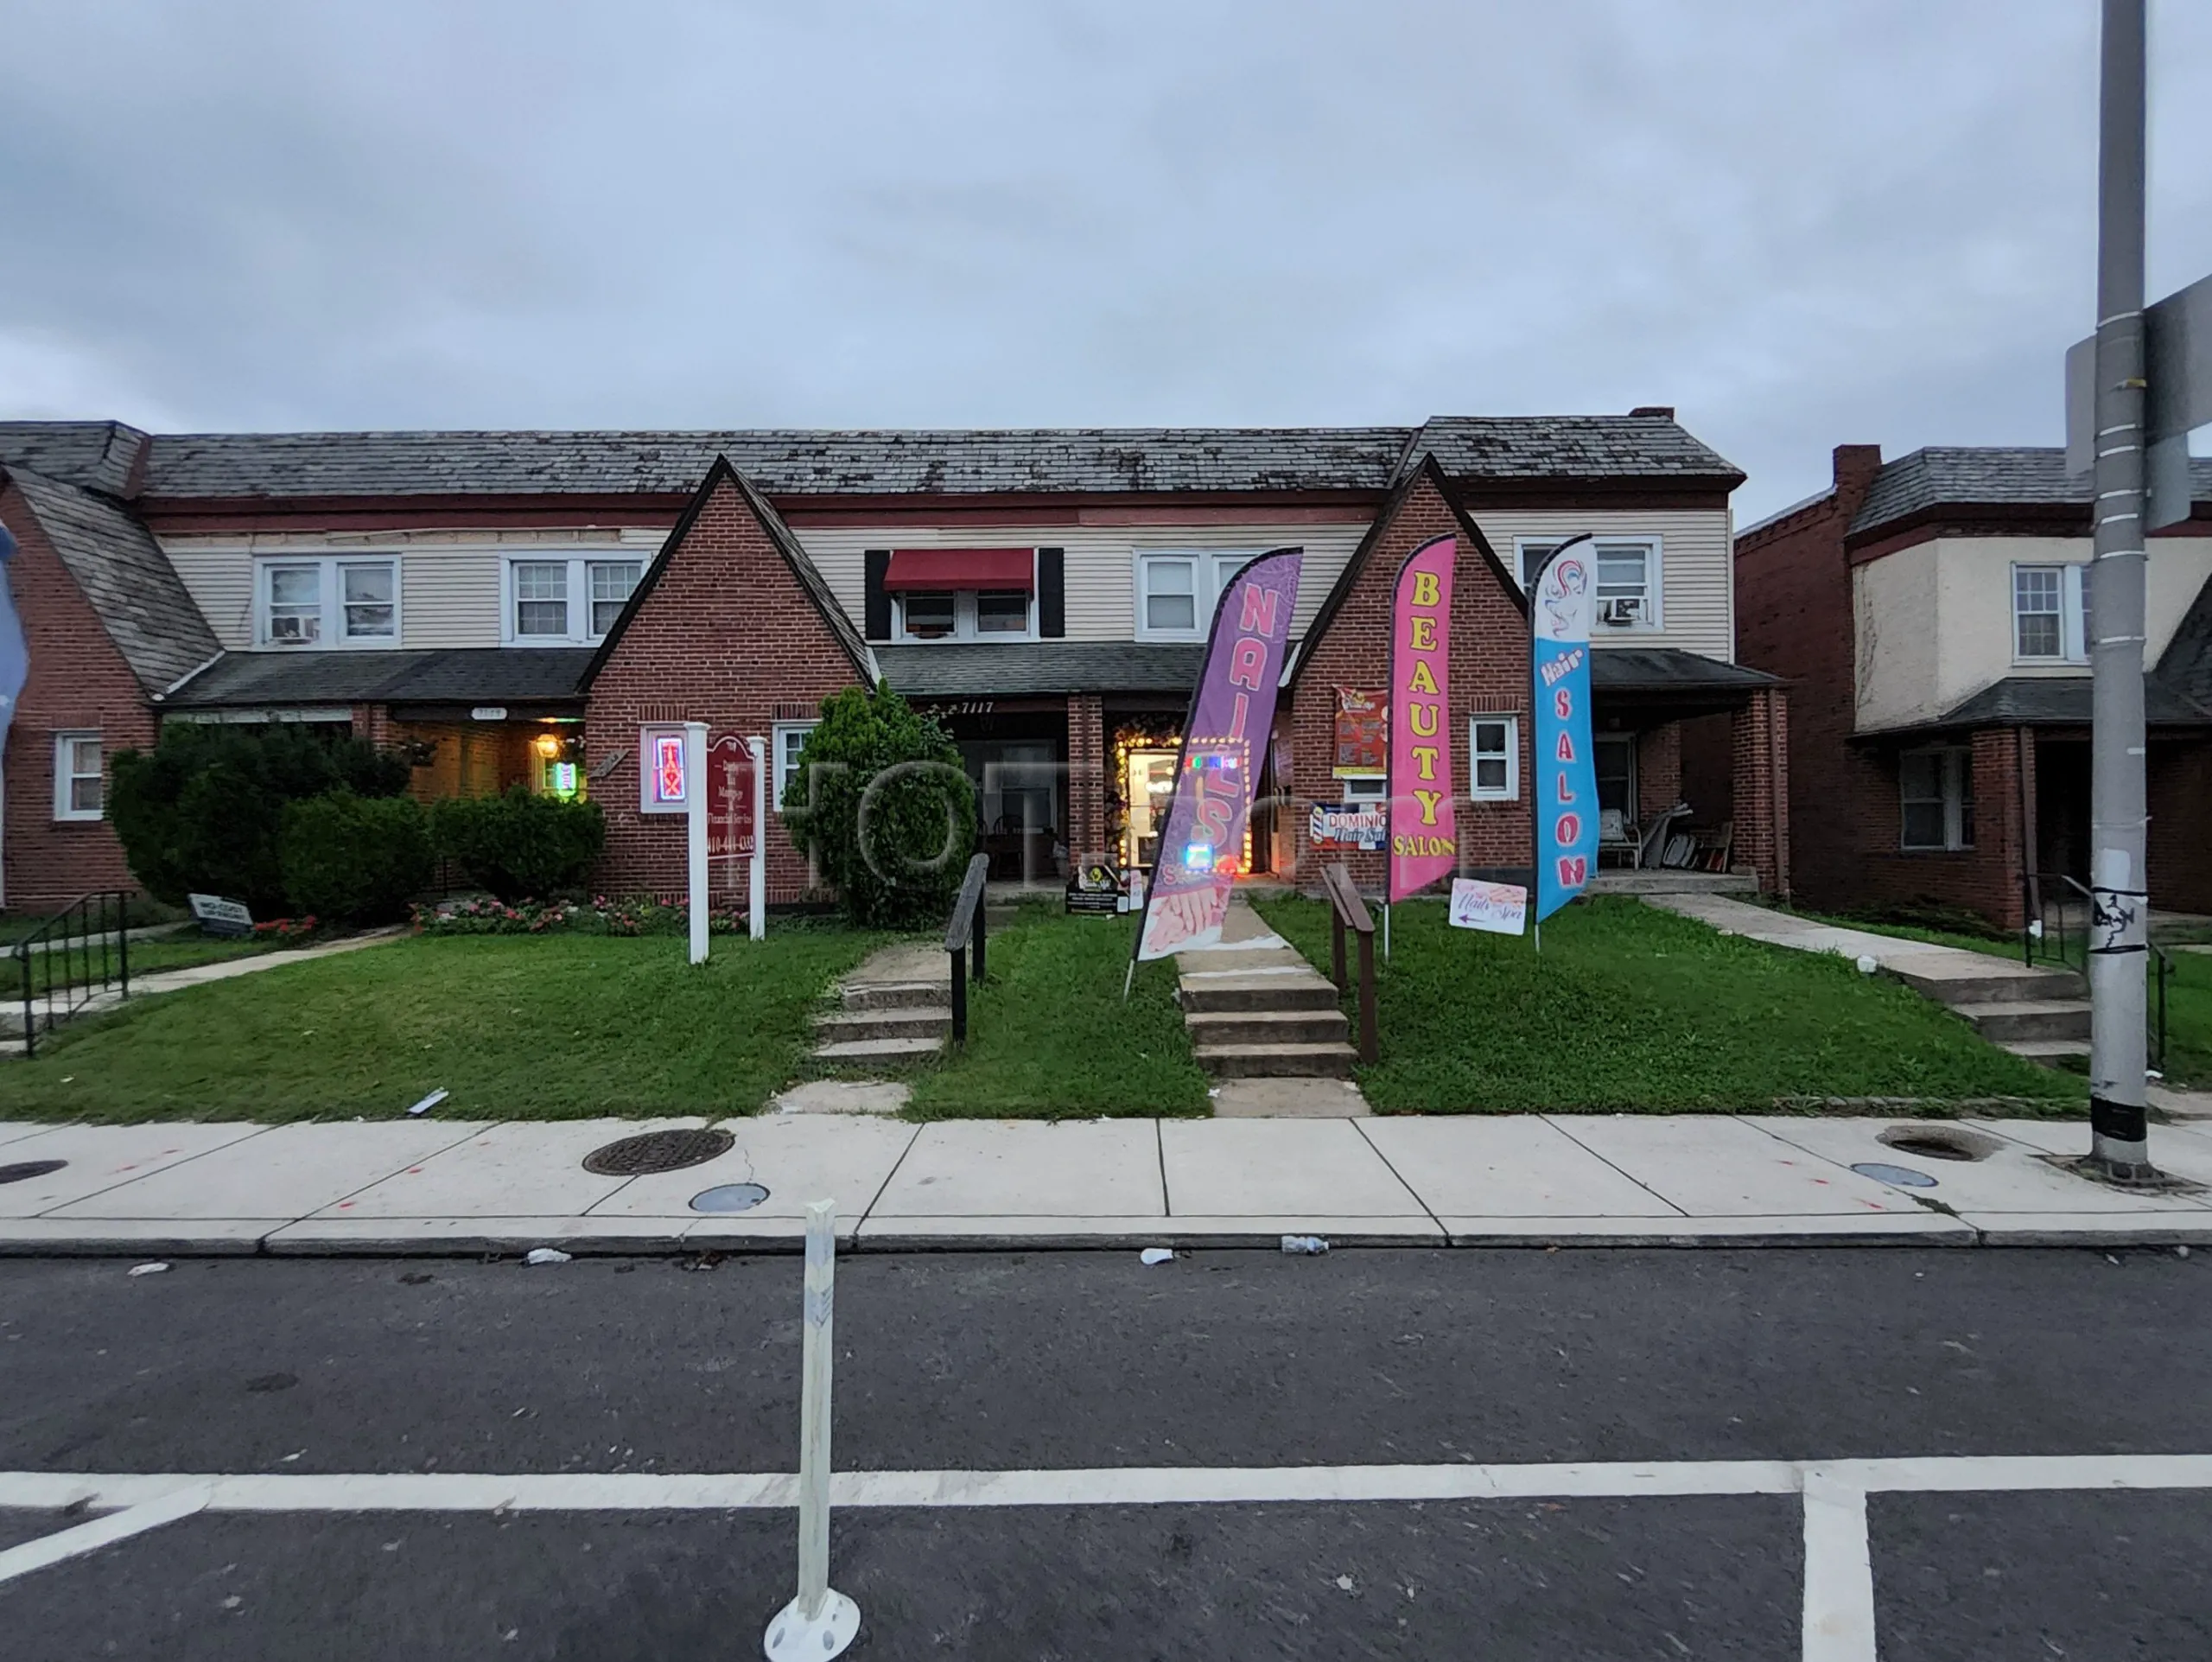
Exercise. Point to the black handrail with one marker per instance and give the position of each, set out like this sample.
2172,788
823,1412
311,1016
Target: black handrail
1348,911
2038,928
101,919
963,931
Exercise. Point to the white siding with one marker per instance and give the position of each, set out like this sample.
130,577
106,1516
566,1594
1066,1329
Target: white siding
221,582
1933,621
1100,560
1697,603
449,597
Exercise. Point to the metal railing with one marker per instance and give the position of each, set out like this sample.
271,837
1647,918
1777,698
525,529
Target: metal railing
1348,911
964,931
2047,936
76,955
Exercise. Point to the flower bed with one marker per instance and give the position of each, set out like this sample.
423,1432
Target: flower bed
636,915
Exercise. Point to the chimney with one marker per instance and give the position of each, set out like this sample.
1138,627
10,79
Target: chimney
1658,411
1855,468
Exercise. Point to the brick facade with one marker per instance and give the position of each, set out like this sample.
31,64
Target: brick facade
727,636
1489,675
1086,775
2179,785
78,682
1658,769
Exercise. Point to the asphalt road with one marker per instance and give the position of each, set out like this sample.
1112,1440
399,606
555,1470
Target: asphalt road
1052,1360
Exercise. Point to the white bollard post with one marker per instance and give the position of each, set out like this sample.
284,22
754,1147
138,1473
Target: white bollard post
757,892
694,824
820,1621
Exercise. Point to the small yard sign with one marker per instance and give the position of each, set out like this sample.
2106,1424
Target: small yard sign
1501,909
730,797
217,916
1348,825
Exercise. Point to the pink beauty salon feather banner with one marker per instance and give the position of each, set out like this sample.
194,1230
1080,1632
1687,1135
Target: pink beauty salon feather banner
1424,832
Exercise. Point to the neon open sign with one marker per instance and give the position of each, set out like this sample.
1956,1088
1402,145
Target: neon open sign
668,768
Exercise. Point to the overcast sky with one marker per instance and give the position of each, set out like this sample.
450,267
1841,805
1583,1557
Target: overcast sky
1803,224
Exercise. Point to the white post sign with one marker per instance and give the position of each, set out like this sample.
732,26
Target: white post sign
694,818
756,888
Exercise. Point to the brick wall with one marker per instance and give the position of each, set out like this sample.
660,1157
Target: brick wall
78,682
2180,782
1794,619
1658,769
1759,787
1490,674
1086,775
727,636
1985,878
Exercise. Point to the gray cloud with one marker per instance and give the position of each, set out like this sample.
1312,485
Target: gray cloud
1802,225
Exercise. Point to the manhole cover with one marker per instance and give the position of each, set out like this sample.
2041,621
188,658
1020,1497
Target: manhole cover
1903,1176
29,1168
729,1197
653,1151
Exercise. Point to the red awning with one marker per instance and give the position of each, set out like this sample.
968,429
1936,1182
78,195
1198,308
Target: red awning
961,567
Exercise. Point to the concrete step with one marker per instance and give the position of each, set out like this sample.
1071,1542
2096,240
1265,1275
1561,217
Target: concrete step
2030,1018
2047,1053
1240,963
1273,1061
1258,992
2000,983
879,1050
843,1025
896,994
1266,1027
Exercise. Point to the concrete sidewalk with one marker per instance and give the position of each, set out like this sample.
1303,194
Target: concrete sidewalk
425,1185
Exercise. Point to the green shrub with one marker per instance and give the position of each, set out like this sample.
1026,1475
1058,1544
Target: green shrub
203,811
881,805
359,858
521,846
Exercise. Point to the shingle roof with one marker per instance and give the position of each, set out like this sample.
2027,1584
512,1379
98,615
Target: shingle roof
2062,701
951,461
2185,667
1984,476
985,669
123,572
1668,669
97,454
472,675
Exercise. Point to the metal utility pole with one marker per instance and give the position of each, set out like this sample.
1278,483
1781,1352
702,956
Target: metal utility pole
2118,935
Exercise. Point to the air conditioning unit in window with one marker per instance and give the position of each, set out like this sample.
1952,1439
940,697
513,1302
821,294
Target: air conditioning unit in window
1623,614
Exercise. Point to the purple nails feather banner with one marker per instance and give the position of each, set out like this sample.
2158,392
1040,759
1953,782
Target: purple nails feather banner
1224,739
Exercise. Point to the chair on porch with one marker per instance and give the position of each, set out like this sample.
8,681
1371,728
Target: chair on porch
1617,838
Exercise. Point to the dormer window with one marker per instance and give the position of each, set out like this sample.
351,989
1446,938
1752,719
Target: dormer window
302,604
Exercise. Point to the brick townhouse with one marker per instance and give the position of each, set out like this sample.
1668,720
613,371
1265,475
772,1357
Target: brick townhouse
1931,614
518,604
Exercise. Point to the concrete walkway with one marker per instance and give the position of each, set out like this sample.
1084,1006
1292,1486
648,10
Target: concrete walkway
12,1017
426,1185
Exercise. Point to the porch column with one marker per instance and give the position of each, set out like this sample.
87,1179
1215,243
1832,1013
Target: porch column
1760,735
2003,819
1086,776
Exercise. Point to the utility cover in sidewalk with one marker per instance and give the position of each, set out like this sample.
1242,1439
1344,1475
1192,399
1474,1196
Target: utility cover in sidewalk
653,1151
28,1169
1903,1176
729,1197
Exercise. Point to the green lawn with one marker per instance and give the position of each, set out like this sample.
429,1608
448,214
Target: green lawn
2189,1020
535,1028
1632,1009
1049,1037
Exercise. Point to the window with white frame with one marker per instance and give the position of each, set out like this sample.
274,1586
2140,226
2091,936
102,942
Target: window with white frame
1363,787
2050,614
1935,798
790,743
963,614
566,600
1628,578
77,787
1177,591
328,603
1494,758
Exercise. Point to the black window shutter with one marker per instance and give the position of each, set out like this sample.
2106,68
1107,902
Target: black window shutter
1052,594
876,622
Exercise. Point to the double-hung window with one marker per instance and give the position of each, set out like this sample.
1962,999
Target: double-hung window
562,601
1628,578
2050,614
1935,798
77,787
328,603
1177,591
790,745
1494,758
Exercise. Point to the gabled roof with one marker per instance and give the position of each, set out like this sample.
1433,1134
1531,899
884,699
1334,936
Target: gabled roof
1577,447
133,588
459,675
2185,667
721,472
1413,468
1964,476
97,454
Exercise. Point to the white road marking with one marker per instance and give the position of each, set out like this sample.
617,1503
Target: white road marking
1096,1486
1838,1572
102,1531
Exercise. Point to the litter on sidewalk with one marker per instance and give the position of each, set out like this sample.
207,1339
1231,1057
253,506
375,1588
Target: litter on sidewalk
1305,1245
546,1255
1158,1255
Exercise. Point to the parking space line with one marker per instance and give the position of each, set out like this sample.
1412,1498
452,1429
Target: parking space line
1838,1572
102,1531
